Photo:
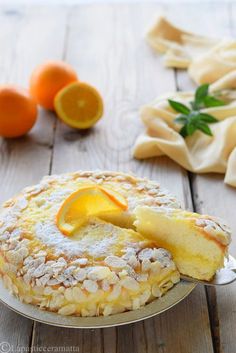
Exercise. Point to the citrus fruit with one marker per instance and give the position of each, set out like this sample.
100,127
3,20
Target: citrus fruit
79,105
86,202
18,111
48,79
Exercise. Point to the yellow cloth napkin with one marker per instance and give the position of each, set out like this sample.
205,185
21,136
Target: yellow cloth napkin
198,153
207,59
215,63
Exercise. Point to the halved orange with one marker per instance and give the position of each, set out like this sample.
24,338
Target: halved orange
79,105
90,200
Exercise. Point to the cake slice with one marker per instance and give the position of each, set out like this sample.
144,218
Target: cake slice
198,243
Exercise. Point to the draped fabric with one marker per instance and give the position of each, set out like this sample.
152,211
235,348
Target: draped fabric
198,153
206,59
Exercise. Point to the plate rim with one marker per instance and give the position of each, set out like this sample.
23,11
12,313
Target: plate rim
182,289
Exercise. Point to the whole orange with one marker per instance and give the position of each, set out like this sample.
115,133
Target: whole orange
18,111
48,79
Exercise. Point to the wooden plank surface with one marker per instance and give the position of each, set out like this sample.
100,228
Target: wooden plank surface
105,45
210,194
26,37
9,320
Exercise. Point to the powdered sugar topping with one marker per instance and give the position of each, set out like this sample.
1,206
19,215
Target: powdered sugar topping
50,235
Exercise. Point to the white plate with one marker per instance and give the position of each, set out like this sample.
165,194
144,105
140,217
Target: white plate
171,298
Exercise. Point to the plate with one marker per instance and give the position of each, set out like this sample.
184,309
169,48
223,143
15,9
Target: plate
171,298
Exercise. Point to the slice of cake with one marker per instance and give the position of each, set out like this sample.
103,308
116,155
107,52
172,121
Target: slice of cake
198,243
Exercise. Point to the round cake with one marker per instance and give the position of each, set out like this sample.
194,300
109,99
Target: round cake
104,267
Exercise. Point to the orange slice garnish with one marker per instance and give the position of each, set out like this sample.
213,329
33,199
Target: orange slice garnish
86,202
79,105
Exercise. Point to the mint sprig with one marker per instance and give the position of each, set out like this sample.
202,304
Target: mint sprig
193,118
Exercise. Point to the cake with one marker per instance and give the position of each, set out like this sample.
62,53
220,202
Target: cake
198,243
112,261
100,270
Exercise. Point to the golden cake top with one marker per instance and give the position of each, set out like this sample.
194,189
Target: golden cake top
35,209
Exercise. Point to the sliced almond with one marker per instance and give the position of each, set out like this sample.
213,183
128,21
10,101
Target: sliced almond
67,309
130,283
90,286
98,273
115,262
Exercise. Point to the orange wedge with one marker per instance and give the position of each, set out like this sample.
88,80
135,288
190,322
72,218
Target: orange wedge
79,105
86,202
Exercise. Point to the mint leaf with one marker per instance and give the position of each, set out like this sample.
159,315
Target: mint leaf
179,107
199,97
191,128
204,128
211,101
207,118
194,105
201,92
202,99
183,131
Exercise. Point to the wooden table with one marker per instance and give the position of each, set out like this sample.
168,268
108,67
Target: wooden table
105,44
